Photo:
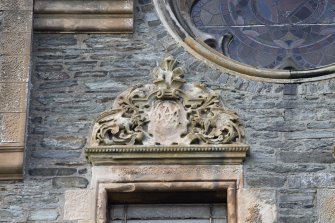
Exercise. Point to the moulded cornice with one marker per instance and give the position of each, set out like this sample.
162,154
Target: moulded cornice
59,16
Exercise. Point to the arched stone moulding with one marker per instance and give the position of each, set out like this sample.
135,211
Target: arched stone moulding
167,122
175,15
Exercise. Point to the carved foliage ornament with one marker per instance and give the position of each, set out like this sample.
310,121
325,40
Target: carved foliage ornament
169,112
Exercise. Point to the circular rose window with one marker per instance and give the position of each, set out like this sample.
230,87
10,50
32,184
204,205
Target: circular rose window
280,39
285,34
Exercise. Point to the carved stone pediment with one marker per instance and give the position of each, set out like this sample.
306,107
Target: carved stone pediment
165,120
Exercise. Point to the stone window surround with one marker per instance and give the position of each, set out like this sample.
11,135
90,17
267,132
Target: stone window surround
193,159
90,205
104,188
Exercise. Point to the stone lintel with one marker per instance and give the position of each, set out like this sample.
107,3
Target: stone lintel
201,155
164,173
11,162
58,16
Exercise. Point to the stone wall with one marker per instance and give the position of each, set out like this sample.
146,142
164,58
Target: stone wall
290,127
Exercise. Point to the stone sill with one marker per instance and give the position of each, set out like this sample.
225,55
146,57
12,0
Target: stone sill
162,155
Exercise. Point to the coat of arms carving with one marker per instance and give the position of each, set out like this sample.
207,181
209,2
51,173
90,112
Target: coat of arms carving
167,115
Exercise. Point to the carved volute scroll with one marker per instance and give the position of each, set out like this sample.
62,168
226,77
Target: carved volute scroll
168,115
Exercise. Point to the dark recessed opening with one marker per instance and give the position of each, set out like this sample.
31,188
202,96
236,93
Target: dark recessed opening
177,197
289,68
168,207
211,43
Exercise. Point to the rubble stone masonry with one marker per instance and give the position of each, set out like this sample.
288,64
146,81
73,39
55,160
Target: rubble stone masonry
290,127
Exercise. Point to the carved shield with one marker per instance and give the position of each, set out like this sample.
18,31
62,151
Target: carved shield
168,122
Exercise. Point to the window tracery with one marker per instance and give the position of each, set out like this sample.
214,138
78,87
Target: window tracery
291,35
273,41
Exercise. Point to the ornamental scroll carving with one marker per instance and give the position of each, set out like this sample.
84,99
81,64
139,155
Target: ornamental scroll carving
168,112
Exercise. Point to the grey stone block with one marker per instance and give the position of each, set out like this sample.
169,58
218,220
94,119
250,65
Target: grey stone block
69,182
55,41
306,157
290,89
64,142
296,219
52,171
58,84
265,181
43,215
313,180
55,154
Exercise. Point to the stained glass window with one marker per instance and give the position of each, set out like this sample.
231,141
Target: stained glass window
275,34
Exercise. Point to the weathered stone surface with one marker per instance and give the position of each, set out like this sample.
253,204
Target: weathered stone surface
290,89
49,68
20,21
12,127
105,85
301,155
69,182
43,215
295,219
15,43
309,134
278,126
256,206
265,181
79,205
58,84
81,65
15,4
14,69
52,75
55,41
166,173
306,157
90,74
52,171
297,205
13,97
326,207
55,154
64,142
280,168
315,180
